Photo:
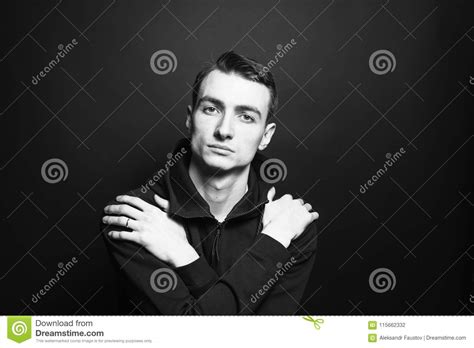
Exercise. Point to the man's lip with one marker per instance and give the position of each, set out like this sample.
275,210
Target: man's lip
222,147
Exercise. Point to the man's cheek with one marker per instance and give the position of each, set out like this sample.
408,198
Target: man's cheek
203,130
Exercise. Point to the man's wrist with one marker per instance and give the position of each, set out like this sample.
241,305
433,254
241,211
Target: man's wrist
272,232
184,256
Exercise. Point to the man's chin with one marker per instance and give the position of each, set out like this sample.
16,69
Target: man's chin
216,162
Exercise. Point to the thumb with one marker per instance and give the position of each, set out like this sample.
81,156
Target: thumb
271,193
163,204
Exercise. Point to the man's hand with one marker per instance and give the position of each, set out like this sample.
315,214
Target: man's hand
286,218
152,228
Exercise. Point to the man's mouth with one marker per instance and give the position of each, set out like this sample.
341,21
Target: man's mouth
220,147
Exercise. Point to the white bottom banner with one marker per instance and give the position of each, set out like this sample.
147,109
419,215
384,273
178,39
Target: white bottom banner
237,331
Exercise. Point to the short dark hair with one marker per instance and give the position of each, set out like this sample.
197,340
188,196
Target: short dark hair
248,68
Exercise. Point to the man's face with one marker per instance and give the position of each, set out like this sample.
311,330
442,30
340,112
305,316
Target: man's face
230,112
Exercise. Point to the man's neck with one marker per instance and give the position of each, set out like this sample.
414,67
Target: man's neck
220,190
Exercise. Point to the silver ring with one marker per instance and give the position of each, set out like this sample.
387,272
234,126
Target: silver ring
126,225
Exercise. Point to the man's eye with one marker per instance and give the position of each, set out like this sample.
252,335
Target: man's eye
248,118
210,110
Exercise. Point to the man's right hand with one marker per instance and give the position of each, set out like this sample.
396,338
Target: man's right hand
286,218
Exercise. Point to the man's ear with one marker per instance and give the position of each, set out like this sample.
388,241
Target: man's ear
189,110
267,136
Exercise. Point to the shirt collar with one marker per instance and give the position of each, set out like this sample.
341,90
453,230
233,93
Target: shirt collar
187,202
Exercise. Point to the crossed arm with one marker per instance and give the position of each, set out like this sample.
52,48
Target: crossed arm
196,288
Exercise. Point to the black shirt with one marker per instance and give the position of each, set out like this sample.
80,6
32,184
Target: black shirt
239,271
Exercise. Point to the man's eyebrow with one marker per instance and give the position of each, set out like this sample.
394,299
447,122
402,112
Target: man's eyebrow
212,100
238,108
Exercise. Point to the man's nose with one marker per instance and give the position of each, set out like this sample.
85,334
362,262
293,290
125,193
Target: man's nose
225,127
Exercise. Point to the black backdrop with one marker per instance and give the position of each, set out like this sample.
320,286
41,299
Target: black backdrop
112,120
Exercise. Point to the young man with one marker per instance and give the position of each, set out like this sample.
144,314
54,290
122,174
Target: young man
208,236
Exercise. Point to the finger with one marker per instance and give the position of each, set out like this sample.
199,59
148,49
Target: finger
308,206
134,201
300,201
163,204
120,221
314,215
123,235
124,209
271,193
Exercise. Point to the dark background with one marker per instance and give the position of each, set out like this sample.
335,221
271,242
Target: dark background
112,120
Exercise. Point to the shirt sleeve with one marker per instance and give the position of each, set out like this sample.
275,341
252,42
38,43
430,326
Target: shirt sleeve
286,297
196,288
280,291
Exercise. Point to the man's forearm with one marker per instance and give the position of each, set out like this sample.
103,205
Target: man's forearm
186,254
